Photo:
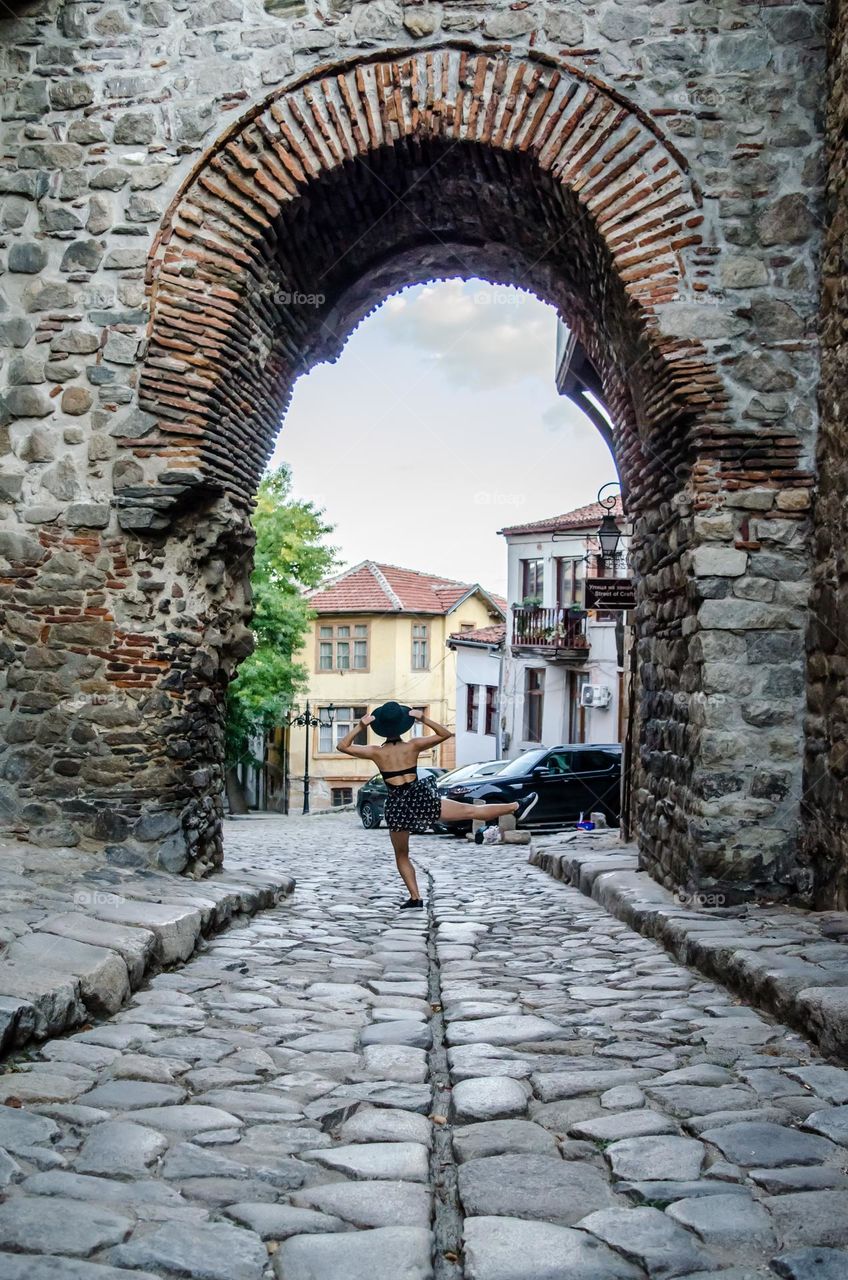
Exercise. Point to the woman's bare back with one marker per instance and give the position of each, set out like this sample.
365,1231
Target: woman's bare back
396,755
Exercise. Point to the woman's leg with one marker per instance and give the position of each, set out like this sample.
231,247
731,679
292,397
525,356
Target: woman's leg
454,811
400,844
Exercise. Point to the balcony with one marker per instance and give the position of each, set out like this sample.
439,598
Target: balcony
558,634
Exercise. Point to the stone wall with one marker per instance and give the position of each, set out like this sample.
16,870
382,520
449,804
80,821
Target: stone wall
826,768
200,199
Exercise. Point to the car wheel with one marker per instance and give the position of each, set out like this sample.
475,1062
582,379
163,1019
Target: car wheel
369,815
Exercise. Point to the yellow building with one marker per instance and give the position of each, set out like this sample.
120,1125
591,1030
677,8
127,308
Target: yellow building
379,633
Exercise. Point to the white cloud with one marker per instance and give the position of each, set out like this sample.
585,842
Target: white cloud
479,335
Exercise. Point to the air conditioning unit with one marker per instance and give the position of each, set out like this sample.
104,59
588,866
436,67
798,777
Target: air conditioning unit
595,695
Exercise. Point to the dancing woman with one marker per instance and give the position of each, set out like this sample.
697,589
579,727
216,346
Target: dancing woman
413,803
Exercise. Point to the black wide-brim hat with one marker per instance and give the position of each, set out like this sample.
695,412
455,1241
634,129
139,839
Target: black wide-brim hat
391,720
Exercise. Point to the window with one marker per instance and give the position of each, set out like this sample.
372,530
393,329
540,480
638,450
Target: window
491,708
343,646
467,626
596,761
570,575
472,707
532,581
420,646
418,730
329,735
340,796
534,694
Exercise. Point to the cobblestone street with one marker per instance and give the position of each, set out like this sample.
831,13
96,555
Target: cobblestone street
511,1085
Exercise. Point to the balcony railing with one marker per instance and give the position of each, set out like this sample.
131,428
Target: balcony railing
552,629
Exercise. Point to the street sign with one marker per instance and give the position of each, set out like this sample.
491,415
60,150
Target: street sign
610,593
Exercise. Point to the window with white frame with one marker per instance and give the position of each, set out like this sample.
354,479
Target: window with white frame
344,719
343,646
420,646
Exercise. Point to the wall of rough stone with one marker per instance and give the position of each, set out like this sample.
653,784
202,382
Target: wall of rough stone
139,136
826,766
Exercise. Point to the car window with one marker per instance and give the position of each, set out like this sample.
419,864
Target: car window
560,762
457,775
589,761
522,764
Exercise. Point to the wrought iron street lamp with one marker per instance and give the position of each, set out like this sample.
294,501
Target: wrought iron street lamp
609,535
309,721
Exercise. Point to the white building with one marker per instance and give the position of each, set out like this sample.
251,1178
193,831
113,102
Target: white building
554,649
479,663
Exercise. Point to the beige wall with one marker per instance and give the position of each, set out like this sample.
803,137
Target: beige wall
389,676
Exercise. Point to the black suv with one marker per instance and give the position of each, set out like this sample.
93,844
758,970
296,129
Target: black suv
569,780
371,798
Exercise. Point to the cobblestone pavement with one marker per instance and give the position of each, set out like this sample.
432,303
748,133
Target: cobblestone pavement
294,1103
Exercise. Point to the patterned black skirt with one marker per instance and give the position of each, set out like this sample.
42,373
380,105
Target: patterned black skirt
413,806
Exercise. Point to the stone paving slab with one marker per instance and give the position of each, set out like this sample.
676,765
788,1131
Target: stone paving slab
78,934
652,1125
790,962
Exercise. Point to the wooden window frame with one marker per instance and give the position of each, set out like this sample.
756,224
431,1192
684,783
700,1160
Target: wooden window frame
540,593
491,727
472,708
425,710
413,638
317,753
578,582
335,623
534,698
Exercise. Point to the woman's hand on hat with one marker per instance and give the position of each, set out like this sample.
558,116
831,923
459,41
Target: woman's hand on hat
367,720
416,714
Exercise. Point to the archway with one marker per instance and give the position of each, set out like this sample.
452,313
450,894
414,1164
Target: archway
315,206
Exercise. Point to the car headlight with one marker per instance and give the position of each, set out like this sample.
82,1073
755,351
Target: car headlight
457,791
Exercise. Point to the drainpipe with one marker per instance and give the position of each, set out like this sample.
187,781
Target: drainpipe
498,718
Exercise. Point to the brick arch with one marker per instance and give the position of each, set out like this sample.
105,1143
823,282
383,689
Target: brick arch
289,203
308,212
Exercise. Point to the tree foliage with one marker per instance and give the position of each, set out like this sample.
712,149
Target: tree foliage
291,556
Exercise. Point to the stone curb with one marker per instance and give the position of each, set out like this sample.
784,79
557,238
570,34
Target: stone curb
70,965
785,961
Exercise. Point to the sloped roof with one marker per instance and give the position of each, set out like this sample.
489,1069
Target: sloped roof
480,635
370,587
588,517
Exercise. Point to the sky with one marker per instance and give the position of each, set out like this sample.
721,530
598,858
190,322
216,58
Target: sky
439,425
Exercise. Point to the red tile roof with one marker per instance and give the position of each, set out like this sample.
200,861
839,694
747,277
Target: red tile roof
588,517
481,635
385,588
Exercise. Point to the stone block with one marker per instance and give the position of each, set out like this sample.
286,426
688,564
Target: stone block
716,561
136,946
25,370
27,259
102,973
28,402
87,515
44,294
743,272
82,255
70,93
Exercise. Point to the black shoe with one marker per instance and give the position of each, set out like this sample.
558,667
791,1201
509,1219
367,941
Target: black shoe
525,805
478,836
416,903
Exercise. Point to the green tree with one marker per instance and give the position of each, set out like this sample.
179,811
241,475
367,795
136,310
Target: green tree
291,556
